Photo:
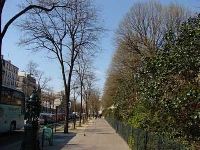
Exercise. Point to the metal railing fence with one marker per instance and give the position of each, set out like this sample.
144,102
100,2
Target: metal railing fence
139,139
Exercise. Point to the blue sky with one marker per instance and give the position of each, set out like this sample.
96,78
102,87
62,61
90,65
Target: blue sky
112,12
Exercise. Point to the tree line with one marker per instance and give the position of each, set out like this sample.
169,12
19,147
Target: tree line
68,31
153,80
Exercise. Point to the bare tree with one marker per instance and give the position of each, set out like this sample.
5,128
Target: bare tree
16,16
31,68
65,33
74,89
144,27
87,79
81,68
88,86
94,101
41,79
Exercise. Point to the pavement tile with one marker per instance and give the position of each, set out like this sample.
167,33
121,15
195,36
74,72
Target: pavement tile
98,135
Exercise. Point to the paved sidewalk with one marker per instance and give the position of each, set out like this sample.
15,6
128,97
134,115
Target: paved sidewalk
98,135
95,135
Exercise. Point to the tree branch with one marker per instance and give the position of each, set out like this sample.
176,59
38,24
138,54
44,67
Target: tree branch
24,11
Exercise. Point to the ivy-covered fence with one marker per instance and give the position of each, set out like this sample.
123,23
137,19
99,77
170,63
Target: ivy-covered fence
139,139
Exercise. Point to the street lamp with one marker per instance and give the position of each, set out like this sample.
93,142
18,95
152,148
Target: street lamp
74,88
74,115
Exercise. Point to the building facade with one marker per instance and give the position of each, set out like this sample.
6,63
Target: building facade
9,74
49,101
26,83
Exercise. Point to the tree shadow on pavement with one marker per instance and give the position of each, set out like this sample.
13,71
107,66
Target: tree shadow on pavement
7,139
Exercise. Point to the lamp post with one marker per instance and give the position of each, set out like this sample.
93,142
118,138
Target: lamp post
74,116
74,100
74,97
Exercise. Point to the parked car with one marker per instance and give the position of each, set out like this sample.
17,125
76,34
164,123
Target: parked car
71,116
76,114
46,118
60,117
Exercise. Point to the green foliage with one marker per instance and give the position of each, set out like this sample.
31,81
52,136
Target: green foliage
160,92
124,99
108,112
131,142
119,90
169,85
139,113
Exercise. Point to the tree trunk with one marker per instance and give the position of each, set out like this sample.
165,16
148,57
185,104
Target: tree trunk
66,99
67,93
1,69
74,102
81,111
86,109
2,2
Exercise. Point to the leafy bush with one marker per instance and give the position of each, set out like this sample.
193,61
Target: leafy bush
169,85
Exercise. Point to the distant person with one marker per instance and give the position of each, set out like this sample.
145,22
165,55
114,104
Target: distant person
100,115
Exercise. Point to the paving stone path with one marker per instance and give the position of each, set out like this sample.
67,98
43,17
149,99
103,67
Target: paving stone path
98,135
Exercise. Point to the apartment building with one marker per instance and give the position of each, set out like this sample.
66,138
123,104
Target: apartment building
26,83
9,74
